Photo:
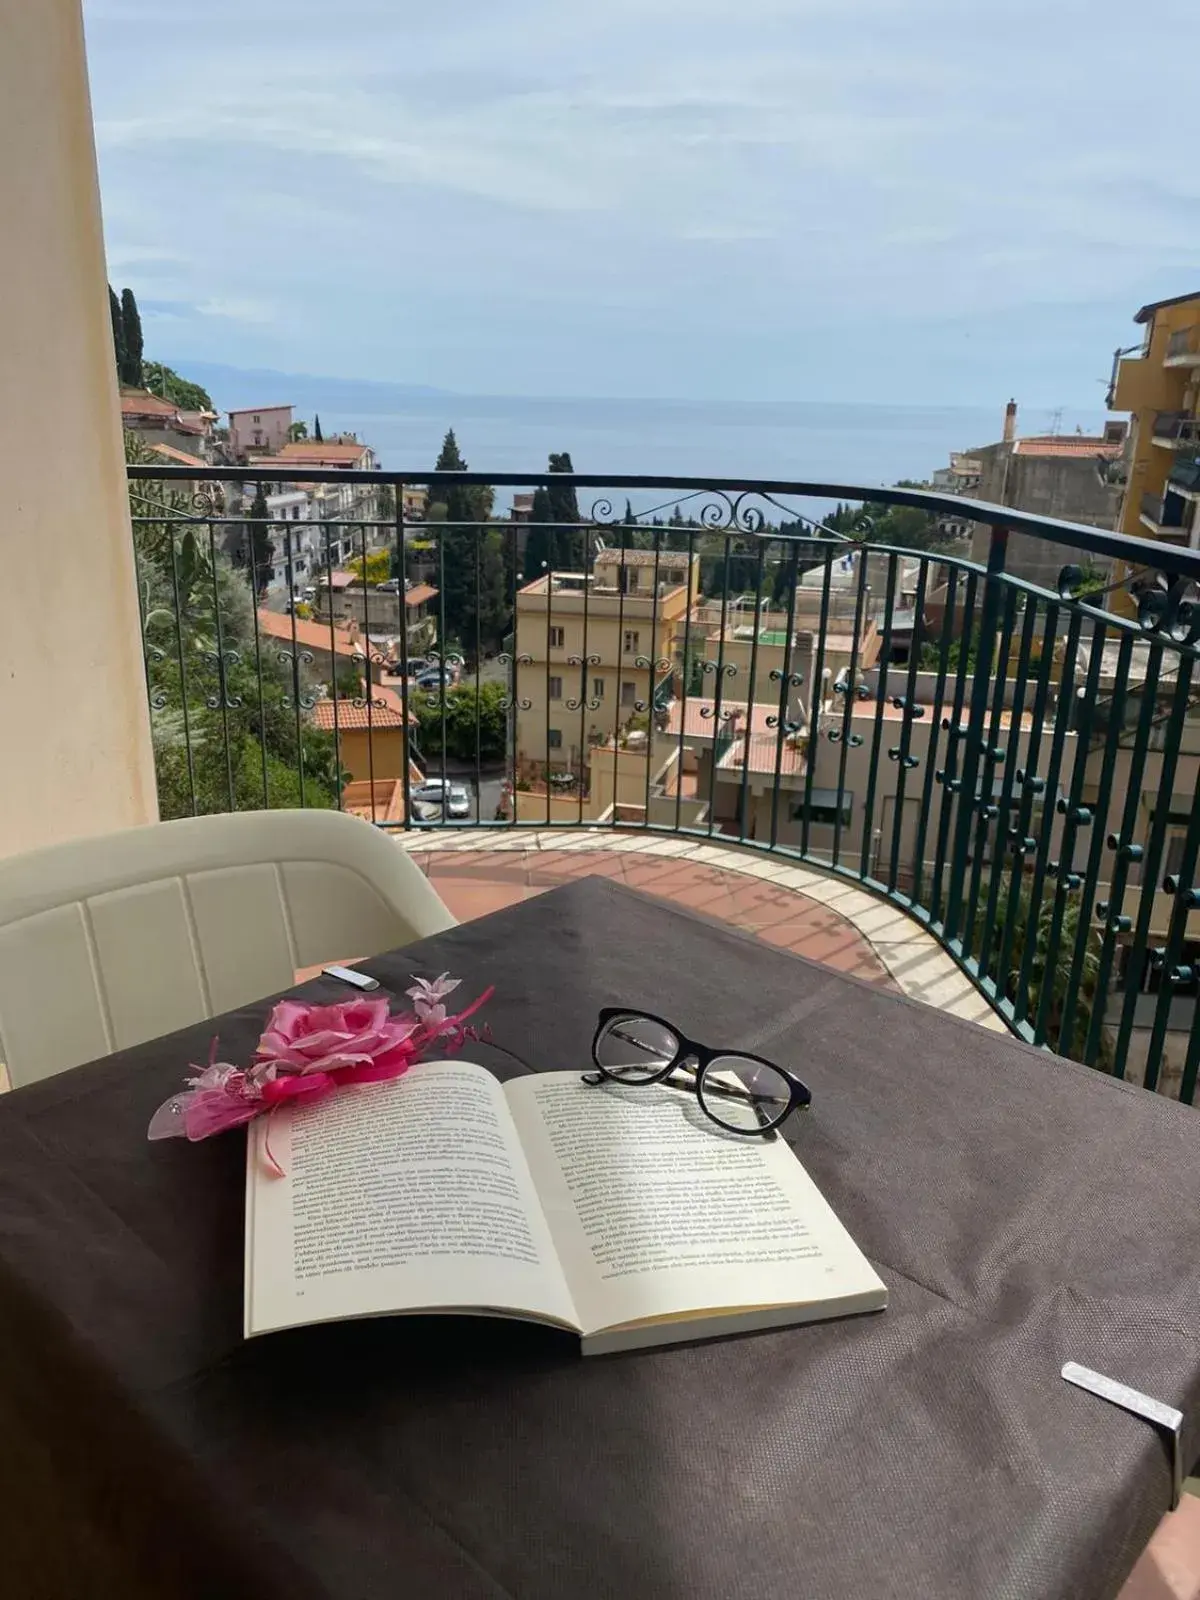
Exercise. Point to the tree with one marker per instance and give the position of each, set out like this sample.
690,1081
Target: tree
131,324
903,527
378,566
165,381
262,546
471,574
627,537
1046,969
463,706
540,542
298,431
556,542
317,434
223,704
118,332
734,571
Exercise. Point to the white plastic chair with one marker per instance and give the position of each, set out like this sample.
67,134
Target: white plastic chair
108,942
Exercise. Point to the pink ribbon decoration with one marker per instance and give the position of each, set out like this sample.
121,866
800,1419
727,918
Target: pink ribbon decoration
306,1052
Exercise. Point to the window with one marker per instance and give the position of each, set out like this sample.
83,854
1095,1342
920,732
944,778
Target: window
597,688
628,694
258,419
556,638
554,738
824,807
295,513
555,688
631,640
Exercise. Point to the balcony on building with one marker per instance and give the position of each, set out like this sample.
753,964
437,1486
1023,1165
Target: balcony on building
1167,515
1174,430
1183,347
1184,479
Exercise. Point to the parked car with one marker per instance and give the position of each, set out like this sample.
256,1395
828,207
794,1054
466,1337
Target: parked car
389,586
458,803
435,677
453,798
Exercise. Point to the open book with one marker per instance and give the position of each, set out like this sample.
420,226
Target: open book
621,1214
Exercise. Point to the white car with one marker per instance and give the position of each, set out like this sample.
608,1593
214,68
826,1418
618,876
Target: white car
453,798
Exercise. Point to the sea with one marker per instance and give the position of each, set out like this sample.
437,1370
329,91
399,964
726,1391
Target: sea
801,441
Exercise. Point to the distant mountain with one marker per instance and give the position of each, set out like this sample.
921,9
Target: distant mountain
236,387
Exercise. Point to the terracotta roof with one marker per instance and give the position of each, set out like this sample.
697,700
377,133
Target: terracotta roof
353,718
419,593
393,700
141,403
309,635
641,558
181,456
338,580
1067,445
308,453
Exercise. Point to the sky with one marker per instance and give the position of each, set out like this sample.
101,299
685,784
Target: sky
904,201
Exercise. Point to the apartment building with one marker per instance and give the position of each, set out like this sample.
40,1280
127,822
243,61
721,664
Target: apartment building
1159,385
592,648
1074,477
259,430
160,421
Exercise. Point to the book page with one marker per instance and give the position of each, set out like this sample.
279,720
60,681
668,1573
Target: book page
411,1195
657,1213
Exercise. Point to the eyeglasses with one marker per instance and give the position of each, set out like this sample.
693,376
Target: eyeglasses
741,1093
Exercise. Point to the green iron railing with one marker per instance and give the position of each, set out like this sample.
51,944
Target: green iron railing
1015,767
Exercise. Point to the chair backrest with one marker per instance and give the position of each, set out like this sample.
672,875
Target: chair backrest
108,942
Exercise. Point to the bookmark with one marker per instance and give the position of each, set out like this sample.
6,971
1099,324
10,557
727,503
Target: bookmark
1141,1405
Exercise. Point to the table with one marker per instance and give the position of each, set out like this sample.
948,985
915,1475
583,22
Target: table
1023,1211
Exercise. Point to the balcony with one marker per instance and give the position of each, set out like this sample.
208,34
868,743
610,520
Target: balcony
1173,430
1183,347
1184,479
1000,807
1167,515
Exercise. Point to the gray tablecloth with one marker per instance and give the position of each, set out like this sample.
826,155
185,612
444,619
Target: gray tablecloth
1023,1211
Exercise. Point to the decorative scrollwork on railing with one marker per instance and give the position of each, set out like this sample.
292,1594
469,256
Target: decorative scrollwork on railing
793,679
719,669
154,658
582,702
373,658
661,664
201,504
788,727
1172,612
711,712
295,660
510,699
221,661
361,702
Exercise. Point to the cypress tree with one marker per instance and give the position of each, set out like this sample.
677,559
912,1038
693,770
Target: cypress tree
262,546
118,331
131,323
318,436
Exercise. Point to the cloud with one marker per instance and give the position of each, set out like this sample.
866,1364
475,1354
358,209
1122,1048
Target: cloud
640,196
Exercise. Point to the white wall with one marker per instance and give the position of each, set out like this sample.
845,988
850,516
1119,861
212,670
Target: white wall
74,725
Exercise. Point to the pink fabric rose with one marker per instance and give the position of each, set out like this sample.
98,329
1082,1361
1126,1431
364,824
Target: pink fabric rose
302,1039
308,1051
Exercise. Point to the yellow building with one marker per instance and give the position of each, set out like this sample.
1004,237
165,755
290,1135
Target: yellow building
591,648
1160,386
